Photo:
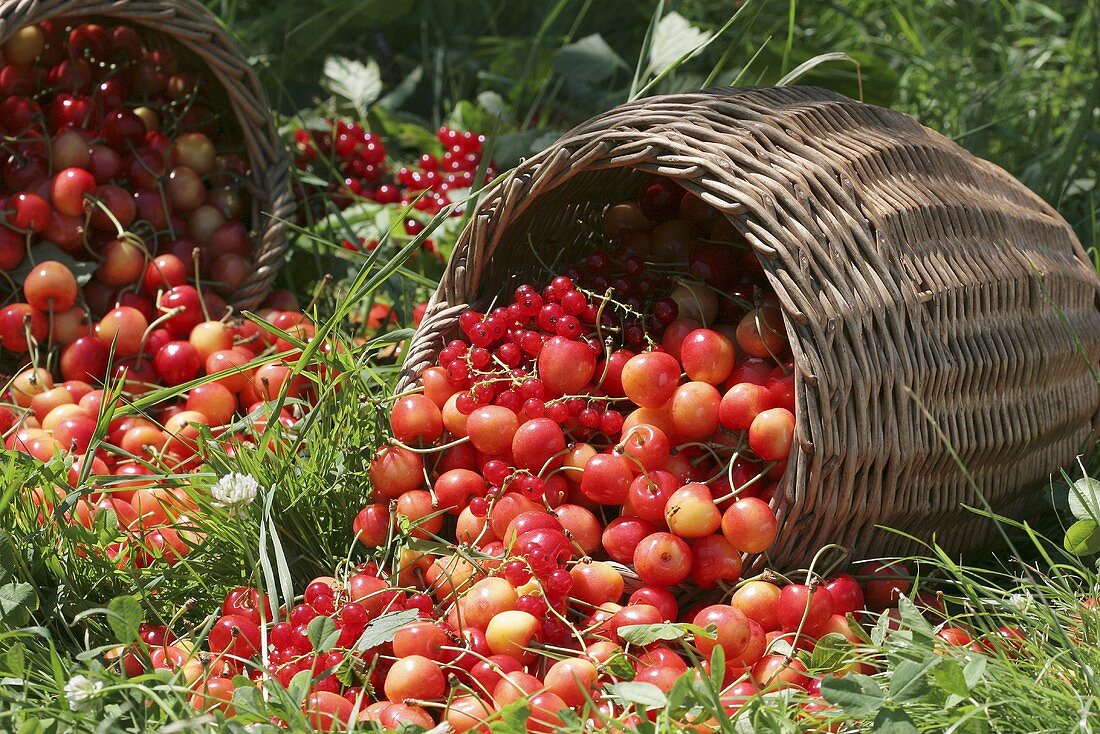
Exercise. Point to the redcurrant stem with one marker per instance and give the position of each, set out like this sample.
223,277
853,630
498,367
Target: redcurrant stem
550,461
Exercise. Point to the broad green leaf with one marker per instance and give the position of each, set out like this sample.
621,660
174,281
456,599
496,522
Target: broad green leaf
589,59
1083,538
322,633
17,601
673,38
912,618
124,615
878,632
15,660
1084,499
893,721
830,653
858,695
949,678
909,681
382,629
646,695
974,670
352,80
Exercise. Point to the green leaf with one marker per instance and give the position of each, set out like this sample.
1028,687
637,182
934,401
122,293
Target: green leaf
673,38
512,719
590,59
620,667
909,680
878,632
893,721
646,695
83,270
17,601
15,660
646,634
912,618
322,633
124,615
974,670
382,629
857,694
299,686
1083,538
352,80
830,653
949,678
1084,499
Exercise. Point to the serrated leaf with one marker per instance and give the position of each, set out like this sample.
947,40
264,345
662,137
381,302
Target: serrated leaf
1083,538
909,681
17,601
382,629
893,721
620,667
1084,499
856,694
124,617
673,38
974,670
588,59
352,80
948,677
638,693
512,719
322,633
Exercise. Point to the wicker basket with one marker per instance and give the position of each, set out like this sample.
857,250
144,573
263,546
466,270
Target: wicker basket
195,28
931,301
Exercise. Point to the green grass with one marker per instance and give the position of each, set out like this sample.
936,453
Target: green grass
1015,82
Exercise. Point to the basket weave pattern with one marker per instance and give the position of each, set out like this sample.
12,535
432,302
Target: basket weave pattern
195,28
932,302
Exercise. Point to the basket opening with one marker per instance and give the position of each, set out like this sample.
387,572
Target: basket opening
558,227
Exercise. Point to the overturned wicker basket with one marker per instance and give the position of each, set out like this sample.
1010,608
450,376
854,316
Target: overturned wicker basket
194,28
932,302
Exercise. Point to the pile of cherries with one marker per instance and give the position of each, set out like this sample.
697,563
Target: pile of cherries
590,458
124,227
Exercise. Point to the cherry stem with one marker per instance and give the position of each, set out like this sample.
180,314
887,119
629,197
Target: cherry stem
394,442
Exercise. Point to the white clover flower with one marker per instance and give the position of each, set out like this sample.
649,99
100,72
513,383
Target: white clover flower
235,491
80,690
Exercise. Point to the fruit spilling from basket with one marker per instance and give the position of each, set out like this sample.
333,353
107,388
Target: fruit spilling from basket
565,505
126,207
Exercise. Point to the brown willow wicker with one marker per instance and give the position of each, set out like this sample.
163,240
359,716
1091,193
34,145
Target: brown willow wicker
195,28
932,301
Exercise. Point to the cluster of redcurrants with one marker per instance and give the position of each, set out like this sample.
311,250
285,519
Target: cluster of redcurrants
123,229
354,162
